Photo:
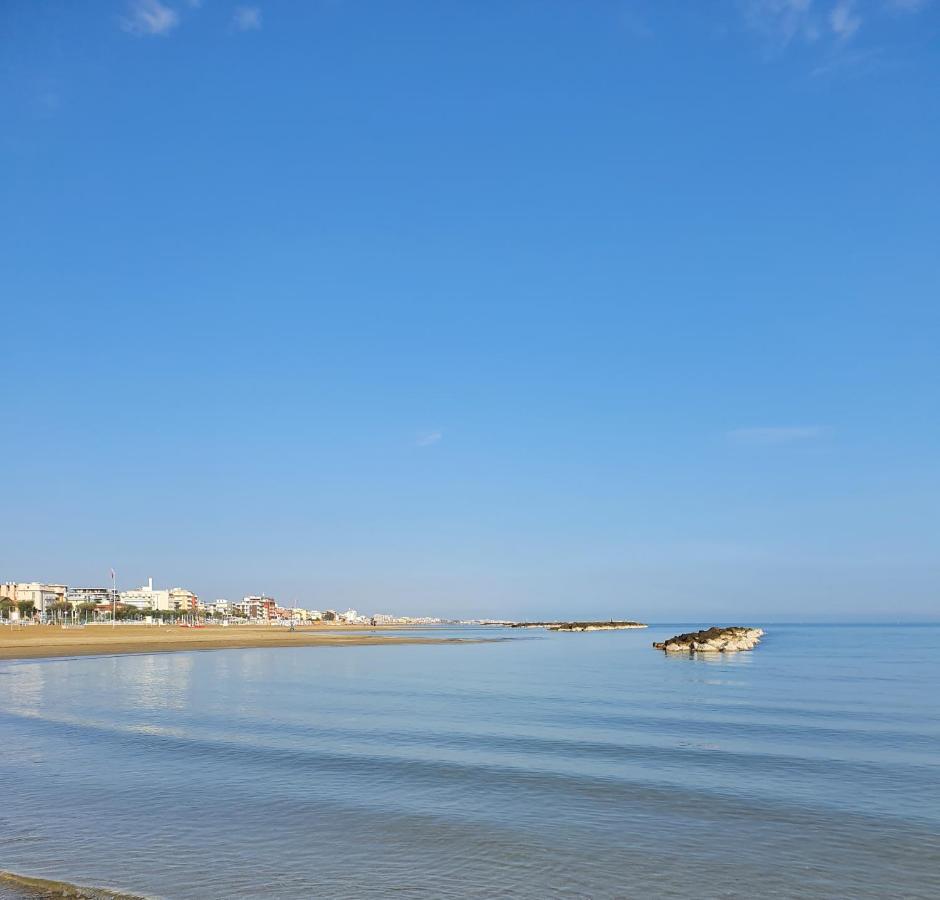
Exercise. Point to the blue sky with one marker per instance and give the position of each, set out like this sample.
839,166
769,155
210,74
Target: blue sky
509,309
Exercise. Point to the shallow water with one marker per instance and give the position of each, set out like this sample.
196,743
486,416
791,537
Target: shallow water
583,765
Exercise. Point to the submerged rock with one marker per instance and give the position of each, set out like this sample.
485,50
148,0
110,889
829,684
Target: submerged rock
713,640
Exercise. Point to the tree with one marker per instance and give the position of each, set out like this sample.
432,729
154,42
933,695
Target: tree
6,607
26,608
60,609
88,610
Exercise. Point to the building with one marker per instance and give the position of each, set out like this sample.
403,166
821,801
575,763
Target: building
183,601
97,595
146,597
240,608
257,607
220,607
42,596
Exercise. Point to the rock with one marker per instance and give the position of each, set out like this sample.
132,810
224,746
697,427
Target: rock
713,640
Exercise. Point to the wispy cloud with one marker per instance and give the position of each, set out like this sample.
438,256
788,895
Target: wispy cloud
781,23
843,19
776,434
150,17
246,18
427,438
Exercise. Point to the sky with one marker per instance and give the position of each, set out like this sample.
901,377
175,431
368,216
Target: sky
530,308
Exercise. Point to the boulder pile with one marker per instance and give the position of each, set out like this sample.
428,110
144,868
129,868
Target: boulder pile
713,640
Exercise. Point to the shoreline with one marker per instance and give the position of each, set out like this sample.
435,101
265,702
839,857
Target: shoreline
30,886
52,642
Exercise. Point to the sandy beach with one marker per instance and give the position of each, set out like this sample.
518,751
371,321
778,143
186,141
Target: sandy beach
50,641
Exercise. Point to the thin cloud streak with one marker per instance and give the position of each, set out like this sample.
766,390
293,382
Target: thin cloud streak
150,17
776,434
429,438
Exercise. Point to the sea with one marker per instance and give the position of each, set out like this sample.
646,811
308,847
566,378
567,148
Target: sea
532,765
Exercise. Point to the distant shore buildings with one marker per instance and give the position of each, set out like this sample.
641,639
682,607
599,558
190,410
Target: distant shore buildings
41,602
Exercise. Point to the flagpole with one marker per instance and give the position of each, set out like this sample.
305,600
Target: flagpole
113,600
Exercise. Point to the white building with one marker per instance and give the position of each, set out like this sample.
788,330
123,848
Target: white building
97,595
42,596
147,598
220,607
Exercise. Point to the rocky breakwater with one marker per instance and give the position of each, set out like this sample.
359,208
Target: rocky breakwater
594,626
612,625
713,640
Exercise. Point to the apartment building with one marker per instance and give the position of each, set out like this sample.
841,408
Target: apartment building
183,601
41,595
257,607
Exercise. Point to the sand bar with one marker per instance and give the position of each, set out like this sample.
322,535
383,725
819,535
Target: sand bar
50,641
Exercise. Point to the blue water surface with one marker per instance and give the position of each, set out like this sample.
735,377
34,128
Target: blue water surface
550,765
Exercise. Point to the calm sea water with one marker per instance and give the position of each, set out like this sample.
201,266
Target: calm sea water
556,765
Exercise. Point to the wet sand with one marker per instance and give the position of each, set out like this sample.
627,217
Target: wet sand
17,886
50,641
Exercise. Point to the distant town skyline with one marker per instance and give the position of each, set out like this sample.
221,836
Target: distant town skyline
516,310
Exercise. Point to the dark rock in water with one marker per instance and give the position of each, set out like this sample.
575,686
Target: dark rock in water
713,640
